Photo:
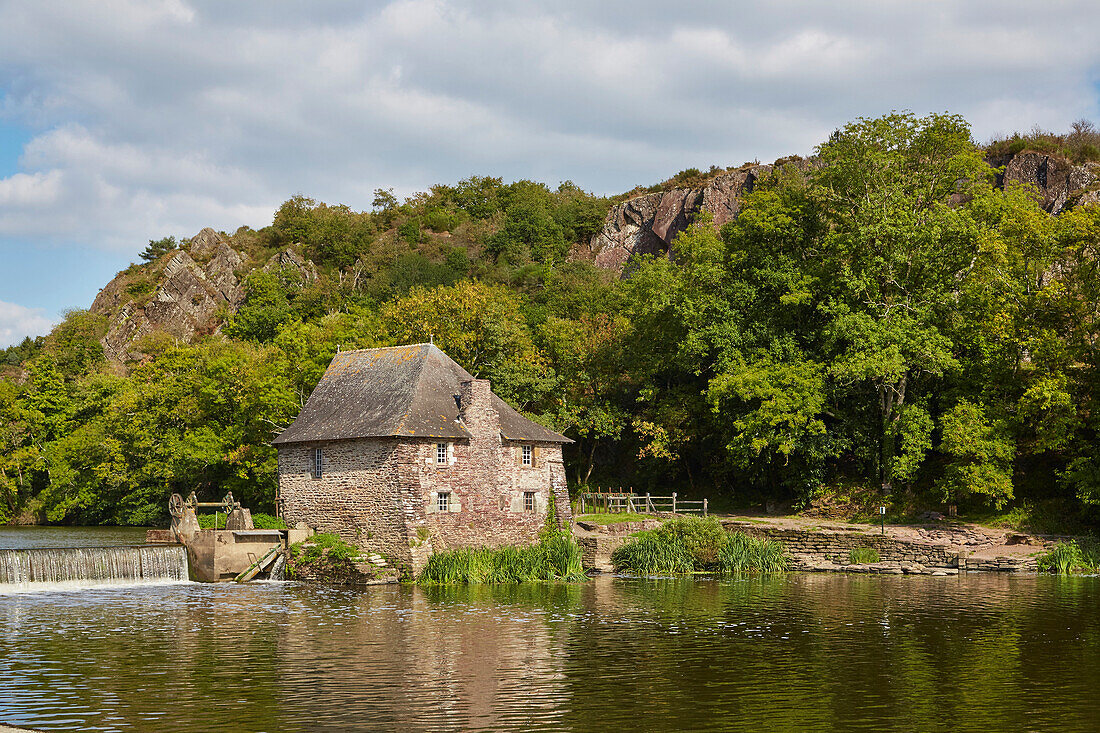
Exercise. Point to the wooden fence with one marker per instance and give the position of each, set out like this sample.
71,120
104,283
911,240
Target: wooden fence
628,502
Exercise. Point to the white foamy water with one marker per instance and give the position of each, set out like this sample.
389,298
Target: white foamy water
73,568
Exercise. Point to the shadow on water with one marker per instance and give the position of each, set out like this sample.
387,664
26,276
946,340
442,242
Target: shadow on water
782,653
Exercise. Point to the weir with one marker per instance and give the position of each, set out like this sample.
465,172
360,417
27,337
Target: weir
185,552
239,552
87,567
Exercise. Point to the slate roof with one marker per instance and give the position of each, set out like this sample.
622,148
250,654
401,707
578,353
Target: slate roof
397,391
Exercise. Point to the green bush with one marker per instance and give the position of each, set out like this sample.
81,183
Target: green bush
139,287
690,544
863,555
1080,144
336,548
324,554
556,557
1071,557
259,521
267,521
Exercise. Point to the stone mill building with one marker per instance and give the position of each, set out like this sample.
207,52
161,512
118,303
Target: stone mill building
402,452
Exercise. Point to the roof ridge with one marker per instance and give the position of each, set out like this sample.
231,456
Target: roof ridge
384,348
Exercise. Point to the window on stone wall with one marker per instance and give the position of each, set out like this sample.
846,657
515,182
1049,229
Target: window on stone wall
528,501
528,456
318,462
441,453
444,501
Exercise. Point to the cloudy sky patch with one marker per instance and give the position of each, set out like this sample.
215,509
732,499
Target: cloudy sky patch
16,322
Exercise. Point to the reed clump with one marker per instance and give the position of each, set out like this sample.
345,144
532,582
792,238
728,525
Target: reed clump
1072,557
557,556
693,544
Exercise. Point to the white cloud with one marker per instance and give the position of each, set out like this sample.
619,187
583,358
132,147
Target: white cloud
156,118
22,190
17,322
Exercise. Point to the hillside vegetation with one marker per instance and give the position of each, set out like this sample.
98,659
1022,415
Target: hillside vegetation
1080,145
888,319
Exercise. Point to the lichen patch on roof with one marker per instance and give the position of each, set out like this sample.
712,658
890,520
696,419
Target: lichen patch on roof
397,391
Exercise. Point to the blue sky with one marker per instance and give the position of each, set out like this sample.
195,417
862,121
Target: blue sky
131,120
44,279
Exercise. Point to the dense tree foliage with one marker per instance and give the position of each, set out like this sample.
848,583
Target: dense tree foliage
885,318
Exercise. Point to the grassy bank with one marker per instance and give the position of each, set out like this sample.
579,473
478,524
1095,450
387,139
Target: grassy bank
612,518
323,555
556,557
691,544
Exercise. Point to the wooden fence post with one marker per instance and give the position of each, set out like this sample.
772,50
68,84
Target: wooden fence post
673,502
648,505
704,507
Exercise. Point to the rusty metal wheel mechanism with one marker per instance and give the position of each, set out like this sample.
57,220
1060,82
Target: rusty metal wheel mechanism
175,506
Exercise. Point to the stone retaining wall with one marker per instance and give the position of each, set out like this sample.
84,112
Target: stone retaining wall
819,549
834,545
596,551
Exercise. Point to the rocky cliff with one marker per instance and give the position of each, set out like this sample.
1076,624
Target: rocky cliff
647,224
1059,183
187,293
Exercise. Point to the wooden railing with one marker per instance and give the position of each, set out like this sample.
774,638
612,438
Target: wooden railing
614,502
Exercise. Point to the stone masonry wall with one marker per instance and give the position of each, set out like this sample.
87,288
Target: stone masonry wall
357,497
486,488
834,545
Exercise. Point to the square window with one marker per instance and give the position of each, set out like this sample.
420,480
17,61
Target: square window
528,501
443,503
528,456
318,462
441,453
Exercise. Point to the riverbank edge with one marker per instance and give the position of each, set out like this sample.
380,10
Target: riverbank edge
822,550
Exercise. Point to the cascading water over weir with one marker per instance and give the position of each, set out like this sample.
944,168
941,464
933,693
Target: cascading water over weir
85,567
183,552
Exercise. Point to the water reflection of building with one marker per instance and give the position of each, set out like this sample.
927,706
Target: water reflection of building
451,658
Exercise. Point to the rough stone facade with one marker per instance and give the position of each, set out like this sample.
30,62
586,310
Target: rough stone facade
383,494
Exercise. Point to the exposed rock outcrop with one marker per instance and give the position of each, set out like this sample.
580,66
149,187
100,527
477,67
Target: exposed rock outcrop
647,224
189,290
288,259
220,263
1056,179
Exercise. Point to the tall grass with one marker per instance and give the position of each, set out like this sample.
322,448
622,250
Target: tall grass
693,544
863,555
556,557
1071,557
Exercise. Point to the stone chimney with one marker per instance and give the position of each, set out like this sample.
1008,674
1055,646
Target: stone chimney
475,409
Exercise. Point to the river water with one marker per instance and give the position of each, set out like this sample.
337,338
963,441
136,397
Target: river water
978,652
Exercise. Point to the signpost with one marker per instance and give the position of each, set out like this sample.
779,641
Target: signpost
882,516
